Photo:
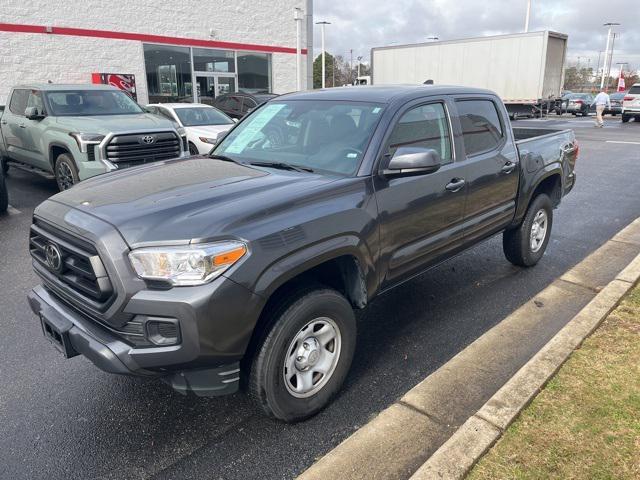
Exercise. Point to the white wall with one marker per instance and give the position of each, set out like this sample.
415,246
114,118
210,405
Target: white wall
34,57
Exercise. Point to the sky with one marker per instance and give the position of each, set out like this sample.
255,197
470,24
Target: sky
363,24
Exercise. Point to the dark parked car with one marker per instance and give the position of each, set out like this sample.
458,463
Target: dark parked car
238,104
616,103
580,104
246,266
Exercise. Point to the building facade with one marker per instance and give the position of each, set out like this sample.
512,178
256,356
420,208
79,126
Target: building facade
171,50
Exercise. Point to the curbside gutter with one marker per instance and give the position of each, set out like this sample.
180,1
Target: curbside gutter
419,433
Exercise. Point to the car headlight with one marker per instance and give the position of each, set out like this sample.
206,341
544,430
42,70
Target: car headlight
211,141
187,265
85,139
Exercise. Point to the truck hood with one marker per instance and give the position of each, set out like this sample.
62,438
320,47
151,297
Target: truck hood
189,199
104,124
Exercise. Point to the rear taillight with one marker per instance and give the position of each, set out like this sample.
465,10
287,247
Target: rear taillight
628,99
580,102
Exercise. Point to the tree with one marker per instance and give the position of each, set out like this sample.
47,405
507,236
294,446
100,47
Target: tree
338,72
317,70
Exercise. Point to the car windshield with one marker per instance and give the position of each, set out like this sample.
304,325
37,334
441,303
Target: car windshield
200,116
329,136
91,102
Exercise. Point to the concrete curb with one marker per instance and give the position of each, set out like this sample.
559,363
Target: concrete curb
455,458
419,433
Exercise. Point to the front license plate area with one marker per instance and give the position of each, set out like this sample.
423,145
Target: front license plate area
59,338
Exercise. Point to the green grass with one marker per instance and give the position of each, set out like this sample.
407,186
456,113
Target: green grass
585,424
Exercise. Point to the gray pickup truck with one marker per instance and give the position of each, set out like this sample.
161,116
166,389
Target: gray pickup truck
245,266
73,132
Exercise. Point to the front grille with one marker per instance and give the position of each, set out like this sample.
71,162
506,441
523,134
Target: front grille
79,273
132,149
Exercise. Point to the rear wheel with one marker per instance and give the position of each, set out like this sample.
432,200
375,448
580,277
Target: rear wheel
304,357
66,172
524,246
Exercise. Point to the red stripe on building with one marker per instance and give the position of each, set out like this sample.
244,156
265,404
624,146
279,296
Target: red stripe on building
143,37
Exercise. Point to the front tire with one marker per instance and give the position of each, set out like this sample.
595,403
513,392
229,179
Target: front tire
4,195
193,150
625,118
66,172
305,355
4,162
524,246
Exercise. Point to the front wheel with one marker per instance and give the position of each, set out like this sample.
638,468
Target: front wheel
193,150
305,356
5,165
524,246
66,172
625,118
4,195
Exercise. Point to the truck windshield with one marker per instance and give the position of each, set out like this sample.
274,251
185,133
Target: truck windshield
328,136
200,116
79,103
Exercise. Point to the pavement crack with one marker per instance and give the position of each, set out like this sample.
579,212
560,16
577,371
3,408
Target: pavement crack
478,415
431,417
582,285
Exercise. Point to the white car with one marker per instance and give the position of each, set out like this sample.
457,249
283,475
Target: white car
202,123
631,104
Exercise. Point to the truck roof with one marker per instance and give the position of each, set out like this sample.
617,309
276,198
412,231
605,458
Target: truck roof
52,87
383,93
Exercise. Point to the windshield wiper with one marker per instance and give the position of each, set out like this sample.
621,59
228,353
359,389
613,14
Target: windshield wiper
283,166
224,158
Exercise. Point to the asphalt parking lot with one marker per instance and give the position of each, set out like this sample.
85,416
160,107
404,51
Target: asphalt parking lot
65,418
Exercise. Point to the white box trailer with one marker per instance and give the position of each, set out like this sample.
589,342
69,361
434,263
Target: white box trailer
525,69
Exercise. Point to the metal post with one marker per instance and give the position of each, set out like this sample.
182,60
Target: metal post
613,41
526,22
297,16
606,54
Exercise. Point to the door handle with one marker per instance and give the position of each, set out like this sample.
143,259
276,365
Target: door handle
22,125
455,185
4,122
508,167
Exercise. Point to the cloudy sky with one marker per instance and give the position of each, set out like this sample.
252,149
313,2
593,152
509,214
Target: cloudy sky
362,24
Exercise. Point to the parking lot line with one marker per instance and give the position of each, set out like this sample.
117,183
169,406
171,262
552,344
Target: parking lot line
620,141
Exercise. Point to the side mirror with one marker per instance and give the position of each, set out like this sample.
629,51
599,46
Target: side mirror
413,161
220,136
32,113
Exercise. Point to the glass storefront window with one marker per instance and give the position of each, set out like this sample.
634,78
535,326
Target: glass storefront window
254,72
209,60
168,73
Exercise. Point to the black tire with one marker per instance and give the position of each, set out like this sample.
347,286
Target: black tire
267,385
66,172
4,195
516,243
193,150
5,165
625,118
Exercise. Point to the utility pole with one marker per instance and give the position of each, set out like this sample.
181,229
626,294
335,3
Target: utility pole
359,62
526,22
297,16
606,55
322,24
351,67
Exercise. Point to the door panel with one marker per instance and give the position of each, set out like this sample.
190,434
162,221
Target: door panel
492,168
420,220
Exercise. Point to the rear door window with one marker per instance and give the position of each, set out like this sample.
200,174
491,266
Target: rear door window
481,127
19,102
425,126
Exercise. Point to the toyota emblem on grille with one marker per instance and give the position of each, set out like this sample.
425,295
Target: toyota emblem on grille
53,257
148,139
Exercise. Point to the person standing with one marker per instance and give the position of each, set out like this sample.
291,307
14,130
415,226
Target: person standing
601,101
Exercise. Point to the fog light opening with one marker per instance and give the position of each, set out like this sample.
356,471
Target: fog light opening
163,332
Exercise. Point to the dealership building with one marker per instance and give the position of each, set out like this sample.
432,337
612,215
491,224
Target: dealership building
167,51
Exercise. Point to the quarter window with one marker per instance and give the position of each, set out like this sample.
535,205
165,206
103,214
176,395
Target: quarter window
481,127
424,126
19,102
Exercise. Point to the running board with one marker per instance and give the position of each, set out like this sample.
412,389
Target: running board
30,169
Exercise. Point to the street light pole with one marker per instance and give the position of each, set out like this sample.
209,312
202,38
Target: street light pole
322,24
359,61
526,21
606,55
613,41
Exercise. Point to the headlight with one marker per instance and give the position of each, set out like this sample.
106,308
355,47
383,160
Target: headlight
186,265
211,141
85,139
